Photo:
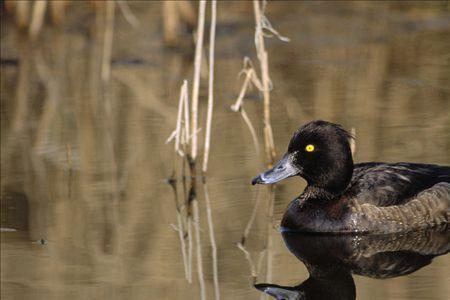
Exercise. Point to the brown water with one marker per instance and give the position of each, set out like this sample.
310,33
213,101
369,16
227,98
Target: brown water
84,163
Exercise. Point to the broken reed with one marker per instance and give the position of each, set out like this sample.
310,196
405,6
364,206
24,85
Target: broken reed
186,146
264,66
263,28
264,86
186,137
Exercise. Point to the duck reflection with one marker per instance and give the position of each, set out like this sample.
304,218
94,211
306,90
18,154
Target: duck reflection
332,260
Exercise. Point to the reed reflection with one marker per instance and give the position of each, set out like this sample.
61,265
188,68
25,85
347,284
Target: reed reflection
333,260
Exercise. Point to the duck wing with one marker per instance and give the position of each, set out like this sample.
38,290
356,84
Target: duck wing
387,184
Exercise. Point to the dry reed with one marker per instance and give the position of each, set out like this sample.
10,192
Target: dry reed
181,233
174,13
269,241
212,239
171,22
196,80
194,145
37,18
352,140
186,137
198,246
238,106
108,41
264,85
180,133
190,248
254,271
127,13
180,148
212,37
248,256
264,65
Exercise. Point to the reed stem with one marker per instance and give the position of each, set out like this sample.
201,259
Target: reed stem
250,76
264,64
212,239
127,13
212,37
201,278
37,18
108,40
196,80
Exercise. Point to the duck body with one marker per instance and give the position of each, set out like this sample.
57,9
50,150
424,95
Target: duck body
370,197
381,198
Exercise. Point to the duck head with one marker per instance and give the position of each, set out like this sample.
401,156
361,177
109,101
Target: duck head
319,152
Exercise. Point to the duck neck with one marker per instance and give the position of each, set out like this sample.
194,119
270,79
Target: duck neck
315,192
334,179
333,206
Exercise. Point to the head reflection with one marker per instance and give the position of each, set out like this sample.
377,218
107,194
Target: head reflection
331,260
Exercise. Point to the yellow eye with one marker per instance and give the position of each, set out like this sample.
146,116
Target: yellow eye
309,148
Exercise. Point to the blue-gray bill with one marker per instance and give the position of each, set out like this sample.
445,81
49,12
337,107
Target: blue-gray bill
281,170
279,292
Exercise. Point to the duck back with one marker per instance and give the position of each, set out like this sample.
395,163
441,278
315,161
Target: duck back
384,184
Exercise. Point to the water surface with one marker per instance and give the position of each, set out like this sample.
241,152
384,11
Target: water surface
84,163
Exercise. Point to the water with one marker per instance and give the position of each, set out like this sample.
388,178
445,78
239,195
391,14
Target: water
84,164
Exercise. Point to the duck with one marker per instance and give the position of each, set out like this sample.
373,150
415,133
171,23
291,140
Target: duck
367,197
333,260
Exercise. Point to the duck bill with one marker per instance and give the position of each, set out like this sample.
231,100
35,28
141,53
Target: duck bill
283,169
279,292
